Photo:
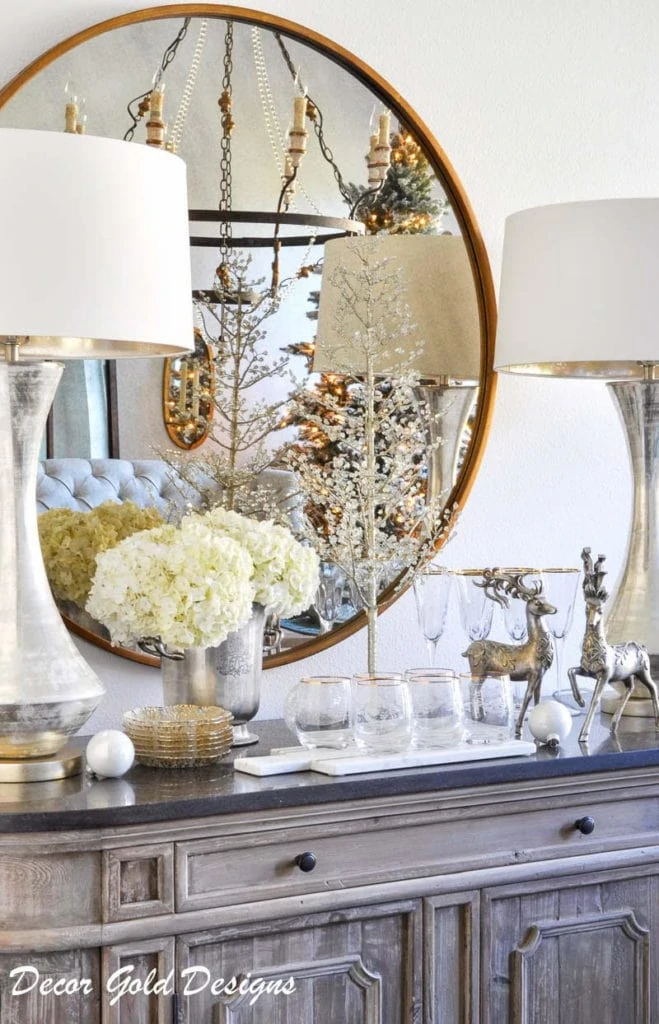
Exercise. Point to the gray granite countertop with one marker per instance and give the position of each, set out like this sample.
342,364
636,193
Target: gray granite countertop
150,794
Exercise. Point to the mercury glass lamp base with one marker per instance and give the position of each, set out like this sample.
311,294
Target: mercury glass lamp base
635,708
62,765
242,737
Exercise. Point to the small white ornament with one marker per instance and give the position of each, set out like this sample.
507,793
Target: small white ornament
110,753
550,722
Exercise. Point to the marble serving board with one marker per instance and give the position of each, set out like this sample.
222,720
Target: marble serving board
351,761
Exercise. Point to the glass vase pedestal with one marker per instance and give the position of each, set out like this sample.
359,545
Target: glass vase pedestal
226,676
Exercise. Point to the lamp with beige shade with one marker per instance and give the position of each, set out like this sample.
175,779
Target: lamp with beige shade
442,347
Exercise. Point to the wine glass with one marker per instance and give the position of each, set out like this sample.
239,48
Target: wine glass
437,715
317,711
560,589
381,713
329,596
476,608
488,707
432,589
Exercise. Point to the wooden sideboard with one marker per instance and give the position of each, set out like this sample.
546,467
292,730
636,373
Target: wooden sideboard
438,896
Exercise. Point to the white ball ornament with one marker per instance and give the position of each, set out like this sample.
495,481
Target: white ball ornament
550,722
110,753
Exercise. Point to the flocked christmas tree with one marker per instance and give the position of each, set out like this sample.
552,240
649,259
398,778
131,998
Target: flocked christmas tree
404,205
378,440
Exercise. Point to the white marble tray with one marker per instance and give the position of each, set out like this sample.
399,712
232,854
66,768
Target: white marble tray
353,762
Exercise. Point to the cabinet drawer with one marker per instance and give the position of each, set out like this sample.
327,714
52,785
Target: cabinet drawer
256,866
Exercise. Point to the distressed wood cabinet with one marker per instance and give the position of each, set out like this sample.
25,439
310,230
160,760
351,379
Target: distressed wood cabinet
460,905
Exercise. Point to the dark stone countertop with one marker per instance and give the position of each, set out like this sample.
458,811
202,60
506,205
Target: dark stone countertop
152,794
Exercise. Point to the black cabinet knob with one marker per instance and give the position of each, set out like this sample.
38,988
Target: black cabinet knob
306,861
585,825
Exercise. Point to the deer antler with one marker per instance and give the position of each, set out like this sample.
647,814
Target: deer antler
593,576
491,585
500,586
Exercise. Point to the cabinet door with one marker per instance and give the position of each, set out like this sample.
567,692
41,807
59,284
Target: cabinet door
139,983
50,988
451,934
350,966
574,950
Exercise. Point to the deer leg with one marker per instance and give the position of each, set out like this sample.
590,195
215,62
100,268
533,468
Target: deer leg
576,693
629,686
600,683
648,682
531,686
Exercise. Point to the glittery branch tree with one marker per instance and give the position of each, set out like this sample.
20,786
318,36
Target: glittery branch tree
228,470
378,442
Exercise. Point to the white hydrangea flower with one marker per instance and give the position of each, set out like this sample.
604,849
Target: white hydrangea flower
189,585
286,572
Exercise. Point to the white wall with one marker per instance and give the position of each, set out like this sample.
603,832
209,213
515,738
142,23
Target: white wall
533,102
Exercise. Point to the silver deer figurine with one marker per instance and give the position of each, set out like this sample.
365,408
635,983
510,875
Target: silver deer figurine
527,661
604,662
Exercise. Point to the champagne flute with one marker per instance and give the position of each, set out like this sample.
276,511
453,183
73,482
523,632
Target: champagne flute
476,608
560,588
432,589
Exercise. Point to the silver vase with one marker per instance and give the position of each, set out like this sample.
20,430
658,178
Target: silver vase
47,689
228,676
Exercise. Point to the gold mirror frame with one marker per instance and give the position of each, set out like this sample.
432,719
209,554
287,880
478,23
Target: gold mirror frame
454,192
176,400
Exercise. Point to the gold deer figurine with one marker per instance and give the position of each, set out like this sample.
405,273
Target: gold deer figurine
604,662
526,661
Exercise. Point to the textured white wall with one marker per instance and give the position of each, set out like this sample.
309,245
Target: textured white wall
538,102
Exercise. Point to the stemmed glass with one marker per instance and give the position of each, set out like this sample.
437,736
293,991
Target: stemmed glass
514,615
476,608
329,596
432,589
560,589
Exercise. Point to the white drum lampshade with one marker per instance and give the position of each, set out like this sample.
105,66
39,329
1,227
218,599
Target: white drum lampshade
579,297
94,247
579,294
94,262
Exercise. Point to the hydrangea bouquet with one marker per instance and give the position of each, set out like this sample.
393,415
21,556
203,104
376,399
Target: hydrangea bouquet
71,540
193,584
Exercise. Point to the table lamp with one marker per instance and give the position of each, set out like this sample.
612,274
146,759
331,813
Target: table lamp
579,297
94,262
437,286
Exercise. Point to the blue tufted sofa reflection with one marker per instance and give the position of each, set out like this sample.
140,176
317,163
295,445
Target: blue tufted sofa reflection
82,484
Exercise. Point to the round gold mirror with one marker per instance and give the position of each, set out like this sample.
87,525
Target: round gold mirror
233,92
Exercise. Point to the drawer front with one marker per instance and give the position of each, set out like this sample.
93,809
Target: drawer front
255,866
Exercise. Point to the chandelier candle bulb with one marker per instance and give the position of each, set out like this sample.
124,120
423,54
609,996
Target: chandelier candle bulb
299,112
71,108
385,123
155,126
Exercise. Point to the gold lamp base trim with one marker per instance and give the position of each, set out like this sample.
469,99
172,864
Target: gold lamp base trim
62,765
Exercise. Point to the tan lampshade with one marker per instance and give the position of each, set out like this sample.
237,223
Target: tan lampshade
579,290
438,288
94,247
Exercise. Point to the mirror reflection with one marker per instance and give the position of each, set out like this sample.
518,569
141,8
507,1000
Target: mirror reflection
287,150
